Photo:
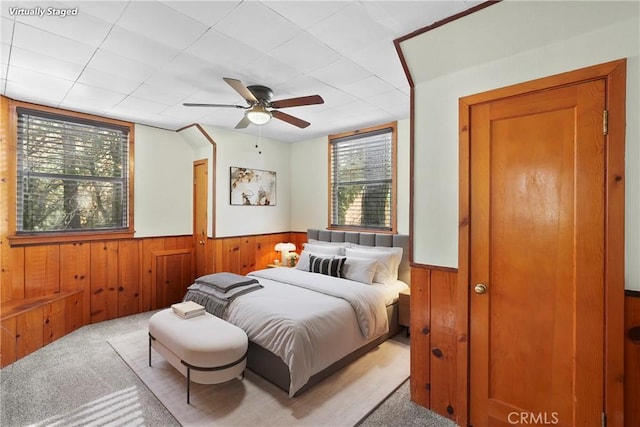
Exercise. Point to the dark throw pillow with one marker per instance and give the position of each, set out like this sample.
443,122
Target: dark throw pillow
329,266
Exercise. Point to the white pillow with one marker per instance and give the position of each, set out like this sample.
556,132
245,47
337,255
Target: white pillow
304,262
359,269
324,243
324,249
388,261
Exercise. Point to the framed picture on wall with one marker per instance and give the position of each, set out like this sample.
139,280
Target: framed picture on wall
252,187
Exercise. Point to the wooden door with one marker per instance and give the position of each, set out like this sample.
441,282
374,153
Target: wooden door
200,225
537,245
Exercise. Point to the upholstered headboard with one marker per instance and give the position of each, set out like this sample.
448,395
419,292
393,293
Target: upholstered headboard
370,239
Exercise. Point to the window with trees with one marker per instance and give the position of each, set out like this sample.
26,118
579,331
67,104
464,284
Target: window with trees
73,173
363,179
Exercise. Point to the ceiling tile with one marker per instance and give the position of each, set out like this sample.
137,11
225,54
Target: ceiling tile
36,61
136,105
222,50
108,11
341,72
36,85
305,53
184,114
404,17
154,55
258,26
46,43
188,70
207,12
108,81
382,60
160,23
368,87
306,13
112,63
137,47
93,97
394,98
167,95
350,30
269,72
6,30
302,85
93,29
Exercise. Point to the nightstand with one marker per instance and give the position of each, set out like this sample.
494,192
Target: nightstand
277,265
404,299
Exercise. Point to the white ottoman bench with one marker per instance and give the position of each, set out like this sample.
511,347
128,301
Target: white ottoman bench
215,350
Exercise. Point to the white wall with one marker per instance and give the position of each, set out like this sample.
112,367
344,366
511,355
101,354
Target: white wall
203,149
163,194
162,183
237,149
310,182
436,111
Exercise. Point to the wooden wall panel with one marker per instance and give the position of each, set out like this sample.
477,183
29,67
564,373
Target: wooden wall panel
104,281
443,289
75,272
115,276
420,328
632,360
265,252
29,335
73,309
8,349
148,288
129,277
247,254
173,274
54,325
41,270
12,274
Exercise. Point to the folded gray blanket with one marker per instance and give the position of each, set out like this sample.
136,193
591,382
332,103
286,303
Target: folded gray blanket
225,281
213,299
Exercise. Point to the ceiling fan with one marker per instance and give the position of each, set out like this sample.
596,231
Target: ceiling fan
260,107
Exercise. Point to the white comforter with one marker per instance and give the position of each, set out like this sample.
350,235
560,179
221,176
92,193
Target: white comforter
310,320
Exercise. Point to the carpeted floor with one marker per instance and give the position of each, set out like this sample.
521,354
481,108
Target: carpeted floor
80,380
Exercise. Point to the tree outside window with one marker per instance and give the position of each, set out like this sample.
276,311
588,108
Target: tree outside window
72,174
362,171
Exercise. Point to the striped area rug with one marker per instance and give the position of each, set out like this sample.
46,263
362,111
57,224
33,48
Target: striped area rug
341,400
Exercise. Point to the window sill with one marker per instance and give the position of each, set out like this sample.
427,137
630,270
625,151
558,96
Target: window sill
361,230
53,238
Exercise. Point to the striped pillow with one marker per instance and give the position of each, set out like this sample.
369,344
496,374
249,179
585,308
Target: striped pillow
329,266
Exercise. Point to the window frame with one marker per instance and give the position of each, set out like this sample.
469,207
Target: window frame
26,238
394,179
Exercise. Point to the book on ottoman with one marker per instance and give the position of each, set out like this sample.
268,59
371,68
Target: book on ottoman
188,309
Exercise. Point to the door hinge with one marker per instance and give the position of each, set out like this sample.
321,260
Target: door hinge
605,122
604,420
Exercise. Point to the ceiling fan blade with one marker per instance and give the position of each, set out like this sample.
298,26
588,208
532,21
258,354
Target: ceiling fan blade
243,123
241,89
297,102
193,104
290,119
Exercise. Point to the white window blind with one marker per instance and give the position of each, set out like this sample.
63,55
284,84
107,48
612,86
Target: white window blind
362,180
72,174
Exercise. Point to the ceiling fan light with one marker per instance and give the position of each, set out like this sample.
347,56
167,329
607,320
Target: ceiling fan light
258,115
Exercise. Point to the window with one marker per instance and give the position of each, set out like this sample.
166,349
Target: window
73,173
362,171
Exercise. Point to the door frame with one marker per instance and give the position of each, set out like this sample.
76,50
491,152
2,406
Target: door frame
614,74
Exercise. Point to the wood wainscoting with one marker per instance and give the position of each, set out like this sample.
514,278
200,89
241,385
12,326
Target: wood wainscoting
632,359
434,352
438,361
50,290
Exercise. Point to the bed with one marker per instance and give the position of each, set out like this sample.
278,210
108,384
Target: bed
304,326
